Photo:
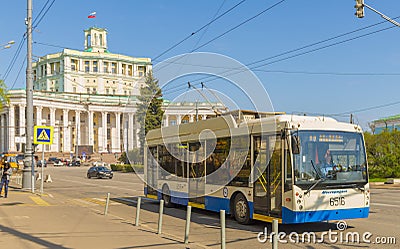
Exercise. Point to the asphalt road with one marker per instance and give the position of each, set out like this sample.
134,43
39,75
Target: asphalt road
70,185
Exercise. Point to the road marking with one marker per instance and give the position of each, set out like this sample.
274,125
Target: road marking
96,185
383,204
39,201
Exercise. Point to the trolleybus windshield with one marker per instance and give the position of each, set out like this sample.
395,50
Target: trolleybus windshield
338,157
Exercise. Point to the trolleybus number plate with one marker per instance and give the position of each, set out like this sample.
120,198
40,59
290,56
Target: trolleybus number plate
337,201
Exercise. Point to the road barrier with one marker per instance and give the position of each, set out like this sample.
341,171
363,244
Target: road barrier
160,216
222,218
107,202
275,234
187,227
139,200
48,178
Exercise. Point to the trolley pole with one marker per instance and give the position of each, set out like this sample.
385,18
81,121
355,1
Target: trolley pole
29,170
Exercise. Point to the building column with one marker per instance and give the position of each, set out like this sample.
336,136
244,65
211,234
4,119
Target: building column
131,130
77,129
11,125
54,146
91,135
39,115
104,129
66,133
166,124
178,119
116,138
191,118
125,132
2,129
22,125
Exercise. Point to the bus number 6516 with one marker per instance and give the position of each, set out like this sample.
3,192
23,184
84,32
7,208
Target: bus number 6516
337,201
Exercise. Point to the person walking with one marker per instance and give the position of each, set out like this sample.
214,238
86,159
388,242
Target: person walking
5,178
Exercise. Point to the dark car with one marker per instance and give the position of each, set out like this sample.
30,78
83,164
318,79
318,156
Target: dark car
39,163
99,172
75,163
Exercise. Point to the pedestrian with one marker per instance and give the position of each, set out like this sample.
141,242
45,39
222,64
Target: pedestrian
5,178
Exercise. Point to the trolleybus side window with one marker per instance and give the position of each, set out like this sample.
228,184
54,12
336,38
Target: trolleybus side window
240,161
216,160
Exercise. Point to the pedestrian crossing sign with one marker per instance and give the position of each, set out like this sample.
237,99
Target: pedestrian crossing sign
43,135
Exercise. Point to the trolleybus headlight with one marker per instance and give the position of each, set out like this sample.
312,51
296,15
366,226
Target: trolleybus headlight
298,201
301,207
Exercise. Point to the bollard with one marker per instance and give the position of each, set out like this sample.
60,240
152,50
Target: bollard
275,234
107,202
139,200
187,227
222,217
160,216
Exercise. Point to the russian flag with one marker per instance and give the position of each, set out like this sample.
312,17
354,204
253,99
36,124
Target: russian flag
92,15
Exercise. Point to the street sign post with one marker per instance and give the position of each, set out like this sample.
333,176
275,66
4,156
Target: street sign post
43,135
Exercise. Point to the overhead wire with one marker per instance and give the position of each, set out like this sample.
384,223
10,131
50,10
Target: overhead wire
195,32
35,23
240,24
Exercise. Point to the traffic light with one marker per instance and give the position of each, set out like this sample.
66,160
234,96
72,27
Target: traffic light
359,8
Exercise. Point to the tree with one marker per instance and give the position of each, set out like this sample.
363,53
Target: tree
149,111
3,94
383,151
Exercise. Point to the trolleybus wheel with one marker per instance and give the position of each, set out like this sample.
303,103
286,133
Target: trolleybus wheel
241,209
166,196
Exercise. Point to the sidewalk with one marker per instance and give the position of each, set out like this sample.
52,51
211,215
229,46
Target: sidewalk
32,221
382,185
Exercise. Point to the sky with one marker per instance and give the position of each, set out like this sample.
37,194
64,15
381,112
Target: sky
337,77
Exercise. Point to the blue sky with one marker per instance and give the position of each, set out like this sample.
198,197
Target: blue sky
350,76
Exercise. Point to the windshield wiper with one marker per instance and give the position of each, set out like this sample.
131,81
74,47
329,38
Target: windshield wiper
321,179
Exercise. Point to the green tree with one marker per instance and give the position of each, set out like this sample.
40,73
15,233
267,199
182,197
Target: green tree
383,151
3,94
149,111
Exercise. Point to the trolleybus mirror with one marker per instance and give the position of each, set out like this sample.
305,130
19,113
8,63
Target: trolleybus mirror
295,145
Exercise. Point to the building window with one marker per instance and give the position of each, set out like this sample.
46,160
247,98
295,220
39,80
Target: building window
130,70
108,133
114,91
123,68
88,90
105,67
74,65
95,69
94,90
107,90
74,89
108,118
87,66
141,71
114,68
124,92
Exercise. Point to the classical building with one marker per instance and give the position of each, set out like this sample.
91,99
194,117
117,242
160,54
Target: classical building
89,97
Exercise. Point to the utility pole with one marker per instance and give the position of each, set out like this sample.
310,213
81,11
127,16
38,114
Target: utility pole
29,170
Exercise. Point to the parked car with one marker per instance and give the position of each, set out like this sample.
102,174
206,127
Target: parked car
58,163
75,163
39,163
52,159
99,172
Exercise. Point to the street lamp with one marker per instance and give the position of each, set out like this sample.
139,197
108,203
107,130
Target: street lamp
7,45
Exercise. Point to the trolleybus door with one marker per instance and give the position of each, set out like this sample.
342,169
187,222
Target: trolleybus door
267,170
196,173
152,170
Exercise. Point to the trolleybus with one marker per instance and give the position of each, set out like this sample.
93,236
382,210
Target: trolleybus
295,169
